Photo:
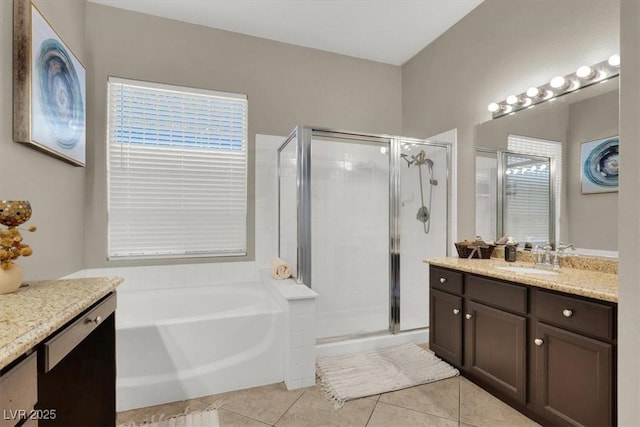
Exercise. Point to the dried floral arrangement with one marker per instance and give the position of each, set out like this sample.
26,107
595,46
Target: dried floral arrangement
12,214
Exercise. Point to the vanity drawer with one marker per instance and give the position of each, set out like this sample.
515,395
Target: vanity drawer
56,348
18,391
588,317
498,294
445,280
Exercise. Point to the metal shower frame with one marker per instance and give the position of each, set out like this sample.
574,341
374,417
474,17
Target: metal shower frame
302,136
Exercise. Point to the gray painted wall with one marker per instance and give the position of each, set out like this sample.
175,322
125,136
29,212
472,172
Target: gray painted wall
286,85
492,53
628,217
589,120
54,188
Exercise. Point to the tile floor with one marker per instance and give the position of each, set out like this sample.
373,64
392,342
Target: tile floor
447,403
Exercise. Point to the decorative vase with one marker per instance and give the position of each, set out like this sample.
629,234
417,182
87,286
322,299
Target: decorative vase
14,212
10,279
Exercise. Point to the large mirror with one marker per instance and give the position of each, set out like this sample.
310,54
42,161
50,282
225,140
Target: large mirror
560,131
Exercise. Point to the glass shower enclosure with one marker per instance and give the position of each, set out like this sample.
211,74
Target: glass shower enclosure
357,215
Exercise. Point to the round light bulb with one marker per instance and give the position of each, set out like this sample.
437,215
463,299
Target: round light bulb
512,100
533,92
508,109
585,72
558,82
493,107
614,60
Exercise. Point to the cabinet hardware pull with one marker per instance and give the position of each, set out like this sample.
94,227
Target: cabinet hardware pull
468,316
567,313
456,311
538,341
442,280
97,320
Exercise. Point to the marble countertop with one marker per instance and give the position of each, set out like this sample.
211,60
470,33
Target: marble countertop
35,311
587,283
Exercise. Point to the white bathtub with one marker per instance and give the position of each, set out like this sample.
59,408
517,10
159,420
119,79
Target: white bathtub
176,344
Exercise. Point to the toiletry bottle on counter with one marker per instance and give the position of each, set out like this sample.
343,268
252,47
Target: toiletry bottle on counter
510,250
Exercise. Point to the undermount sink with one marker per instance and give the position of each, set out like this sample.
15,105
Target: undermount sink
526,270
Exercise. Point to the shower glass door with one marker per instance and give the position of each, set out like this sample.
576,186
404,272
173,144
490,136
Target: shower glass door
350,233
423,224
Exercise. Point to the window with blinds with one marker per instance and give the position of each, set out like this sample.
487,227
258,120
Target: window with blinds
533,209
177,171
526,201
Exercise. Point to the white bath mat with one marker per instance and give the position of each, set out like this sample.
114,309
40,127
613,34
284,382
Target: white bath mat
357,375
206,418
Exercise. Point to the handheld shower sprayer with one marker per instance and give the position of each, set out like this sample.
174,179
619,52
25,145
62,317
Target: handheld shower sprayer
424,212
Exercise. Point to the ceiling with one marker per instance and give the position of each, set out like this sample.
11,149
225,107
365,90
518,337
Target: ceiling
388,31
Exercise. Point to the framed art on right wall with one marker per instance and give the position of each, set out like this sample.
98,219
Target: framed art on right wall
599,161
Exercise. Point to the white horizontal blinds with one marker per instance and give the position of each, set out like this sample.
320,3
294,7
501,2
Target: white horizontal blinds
546,148
177,171
526,199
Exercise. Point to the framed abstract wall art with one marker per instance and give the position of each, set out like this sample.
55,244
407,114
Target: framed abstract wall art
599,165
49,88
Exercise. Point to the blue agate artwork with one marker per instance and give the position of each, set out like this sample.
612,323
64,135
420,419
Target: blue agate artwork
599,165
58,94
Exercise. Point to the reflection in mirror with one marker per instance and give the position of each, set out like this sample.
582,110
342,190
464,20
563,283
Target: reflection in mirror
586,220
527,198
487,193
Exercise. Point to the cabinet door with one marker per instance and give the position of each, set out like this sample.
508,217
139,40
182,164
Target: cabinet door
495,347
445,330
574,378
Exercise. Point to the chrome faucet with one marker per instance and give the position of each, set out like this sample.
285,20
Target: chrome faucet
562,247
547,255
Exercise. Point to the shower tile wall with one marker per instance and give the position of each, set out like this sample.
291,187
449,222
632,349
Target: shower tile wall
266,192
177,276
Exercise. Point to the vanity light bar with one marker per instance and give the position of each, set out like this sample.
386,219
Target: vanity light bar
558,86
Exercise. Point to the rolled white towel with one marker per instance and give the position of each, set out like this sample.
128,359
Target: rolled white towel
280,269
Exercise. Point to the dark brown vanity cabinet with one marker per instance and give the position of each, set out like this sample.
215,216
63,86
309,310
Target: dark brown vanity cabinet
446,334
549,354
574,360
494,342
67,380
445,314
